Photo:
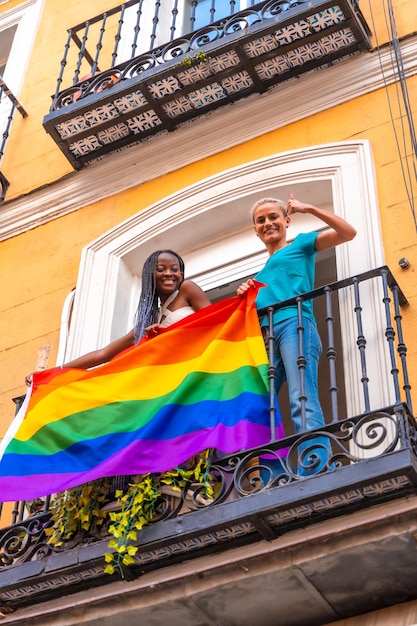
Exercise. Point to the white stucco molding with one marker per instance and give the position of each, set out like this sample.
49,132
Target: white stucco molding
287,103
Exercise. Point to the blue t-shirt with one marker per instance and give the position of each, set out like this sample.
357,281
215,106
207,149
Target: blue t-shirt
288,273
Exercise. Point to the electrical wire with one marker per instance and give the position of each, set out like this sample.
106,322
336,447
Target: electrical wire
404,90
403,103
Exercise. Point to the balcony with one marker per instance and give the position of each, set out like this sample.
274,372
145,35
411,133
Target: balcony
105,103
313,537
8,107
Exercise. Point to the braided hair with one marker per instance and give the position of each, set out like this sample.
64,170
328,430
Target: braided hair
148,306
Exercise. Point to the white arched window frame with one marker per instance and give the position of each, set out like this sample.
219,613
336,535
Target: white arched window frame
208,223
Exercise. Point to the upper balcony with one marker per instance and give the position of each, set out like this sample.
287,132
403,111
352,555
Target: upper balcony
309,536
134,71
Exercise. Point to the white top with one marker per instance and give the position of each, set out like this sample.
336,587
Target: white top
171,317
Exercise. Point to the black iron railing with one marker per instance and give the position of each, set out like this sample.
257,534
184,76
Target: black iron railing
98,43
392,300
357,431
8,105
137,37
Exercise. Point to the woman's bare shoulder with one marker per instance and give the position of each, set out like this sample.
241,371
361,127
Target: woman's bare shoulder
194,295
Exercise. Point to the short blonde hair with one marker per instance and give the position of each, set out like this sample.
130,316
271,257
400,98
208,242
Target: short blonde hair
263,201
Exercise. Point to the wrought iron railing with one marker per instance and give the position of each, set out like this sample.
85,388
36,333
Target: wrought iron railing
129,30
135,37
8,105
377,430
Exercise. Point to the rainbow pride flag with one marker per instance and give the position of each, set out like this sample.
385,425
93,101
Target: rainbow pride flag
202,383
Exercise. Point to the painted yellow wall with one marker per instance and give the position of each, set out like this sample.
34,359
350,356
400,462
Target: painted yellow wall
11,4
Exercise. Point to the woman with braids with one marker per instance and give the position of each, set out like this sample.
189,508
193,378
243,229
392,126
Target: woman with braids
165,298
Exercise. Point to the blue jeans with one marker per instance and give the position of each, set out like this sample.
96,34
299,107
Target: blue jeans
286,353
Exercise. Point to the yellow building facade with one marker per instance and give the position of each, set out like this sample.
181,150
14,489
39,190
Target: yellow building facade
72,242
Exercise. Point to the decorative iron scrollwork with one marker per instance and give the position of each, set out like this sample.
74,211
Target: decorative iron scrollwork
25,541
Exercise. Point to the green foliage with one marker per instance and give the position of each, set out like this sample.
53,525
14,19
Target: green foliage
200,57
197,470
77,509
35,506
137,507
83,508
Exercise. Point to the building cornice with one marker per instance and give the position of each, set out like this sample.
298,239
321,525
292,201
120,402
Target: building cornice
283,105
